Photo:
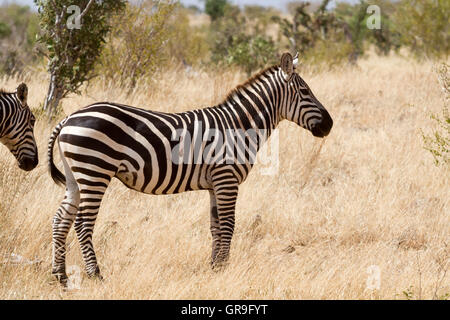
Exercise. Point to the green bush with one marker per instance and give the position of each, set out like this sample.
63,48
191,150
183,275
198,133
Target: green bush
5,30
215,8
235,43
438,143
187,44
18,29
424,27
135,46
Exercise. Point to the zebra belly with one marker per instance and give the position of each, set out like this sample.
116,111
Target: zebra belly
180,178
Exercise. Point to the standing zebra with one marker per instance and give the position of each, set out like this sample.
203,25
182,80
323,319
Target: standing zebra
16,127
144,149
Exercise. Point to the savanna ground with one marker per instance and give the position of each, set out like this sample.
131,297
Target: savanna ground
370,195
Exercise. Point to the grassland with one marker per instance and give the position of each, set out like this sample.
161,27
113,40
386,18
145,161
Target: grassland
368,195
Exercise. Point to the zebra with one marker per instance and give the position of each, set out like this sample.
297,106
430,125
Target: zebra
141,149
16,127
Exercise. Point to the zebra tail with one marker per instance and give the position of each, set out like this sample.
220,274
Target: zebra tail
57,175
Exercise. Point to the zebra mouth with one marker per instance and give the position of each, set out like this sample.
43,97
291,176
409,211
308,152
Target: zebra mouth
317,132
28,164
323,128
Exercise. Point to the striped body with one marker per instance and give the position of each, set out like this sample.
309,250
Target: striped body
136,146
160,153
16,127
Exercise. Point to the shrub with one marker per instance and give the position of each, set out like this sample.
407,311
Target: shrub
136,43
234,42
187,44
424,27
18,29
215,8
438,143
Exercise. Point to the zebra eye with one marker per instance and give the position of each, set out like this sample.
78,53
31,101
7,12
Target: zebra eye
33,121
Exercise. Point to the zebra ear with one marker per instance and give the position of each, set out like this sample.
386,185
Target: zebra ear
22,93
287,64
295,61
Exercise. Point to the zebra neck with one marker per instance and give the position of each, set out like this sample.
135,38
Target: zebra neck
251,110
3,116
8,109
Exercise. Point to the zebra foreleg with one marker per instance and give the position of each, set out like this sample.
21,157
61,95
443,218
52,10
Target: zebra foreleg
215,228
226,191
84,226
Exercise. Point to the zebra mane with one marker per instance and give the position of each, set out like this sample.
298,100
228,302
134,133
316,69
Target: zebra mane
249,81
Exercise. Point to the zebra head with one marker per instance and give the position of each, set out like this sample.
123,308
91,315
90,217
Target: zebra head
16,129
301,106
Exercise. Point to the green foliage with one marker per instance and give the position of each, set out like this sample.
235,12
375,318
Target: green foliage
329,54
387,38
215,8
305,29
137,42
424,27
235,42
322,35
251,52
438,143
445,296
409,293
71,51
337,35
187,44
352,20
5,30
151,33
259,18
18,29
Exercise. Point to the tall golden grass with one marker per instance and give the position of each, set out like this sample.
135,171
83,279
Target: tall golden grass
371,197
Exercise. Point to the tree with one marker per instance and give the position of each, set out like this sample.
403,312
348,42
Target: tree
336,35
352,20
73,36
306,27
235,42
136,43
187,44
260,18
18,29
424,27
438,143
215,8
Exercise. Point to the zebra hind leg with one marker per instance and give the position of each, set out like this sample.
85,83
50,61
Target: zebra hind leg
62,221
91,194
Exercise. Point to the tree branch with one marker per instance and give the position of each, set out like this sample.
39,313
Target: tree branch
86,9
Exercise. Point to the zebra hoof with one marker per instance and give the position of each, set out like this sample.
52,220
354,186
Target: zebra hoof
219,265
96,275
61,278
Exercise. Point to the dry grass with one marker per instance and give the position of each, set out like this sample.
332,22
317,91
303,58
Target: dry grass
372,196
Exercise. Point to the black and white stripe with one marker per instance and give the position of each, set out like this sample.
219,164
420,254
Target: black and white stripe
163,153
16,127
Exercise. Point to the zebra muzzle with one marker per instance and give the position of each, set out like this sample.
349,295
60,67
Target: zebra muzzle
28,164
